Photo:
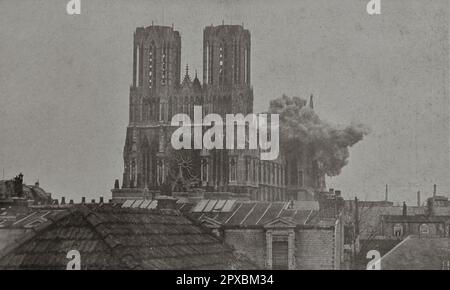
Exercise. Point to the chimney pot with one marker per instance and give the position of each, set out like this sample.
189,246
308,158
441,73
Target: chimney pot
404,209
71,201
332,190
434,190
92,200
83,200
101,199
338,193
63,200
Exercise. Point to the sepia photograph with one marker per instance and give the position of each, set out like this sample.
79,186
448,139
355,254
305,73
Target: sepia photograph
224,135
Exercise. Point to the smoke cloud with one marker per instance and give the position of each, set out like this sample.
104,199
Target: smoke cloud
301,127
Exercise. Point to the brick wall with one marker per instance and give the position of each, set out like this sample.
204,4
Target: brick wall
314,249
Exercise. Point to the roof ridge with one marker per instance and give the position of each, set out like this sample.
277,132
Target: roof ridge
96,221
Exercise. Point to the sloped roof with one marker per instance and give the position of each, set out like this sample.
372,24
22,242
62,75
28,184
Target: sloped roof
121,238
415,253
253,213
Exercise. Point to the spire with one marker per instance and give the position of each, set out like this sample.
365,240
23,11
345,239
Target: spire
187,78
311,103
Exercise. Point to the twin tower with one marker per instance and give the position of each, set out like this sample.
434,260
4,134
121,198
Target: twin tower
158,90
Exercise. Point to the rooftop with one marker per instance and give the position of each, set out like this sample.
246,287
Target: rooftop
109,237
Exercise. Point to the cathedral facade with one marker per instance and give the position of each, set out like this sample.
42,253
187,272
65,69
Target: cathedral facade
158,92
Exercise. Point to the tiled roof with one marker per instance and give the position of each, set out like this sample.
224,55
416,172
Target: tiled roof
121,238
415,253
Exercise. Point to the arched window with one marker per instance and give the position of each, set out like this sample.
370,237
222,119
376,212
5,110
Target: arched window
232,169
163,65
221,63
151,66
138,67
204,171
207,63
398,230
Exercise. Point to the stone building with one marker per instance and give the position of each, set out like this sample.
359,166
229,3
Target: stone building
274,235
158,92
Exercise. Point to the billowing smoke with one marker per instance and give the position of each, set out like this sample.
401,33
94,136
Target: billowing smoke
301,127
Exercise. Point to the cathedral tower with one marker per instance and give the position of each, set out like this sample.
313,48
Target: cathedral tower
226,68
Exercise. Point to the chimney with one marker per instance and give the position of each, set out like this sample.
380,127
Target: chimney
83,200
418,198
166,202
311,103
93,200
434,190
404,209
356,217
63,200
331,190
338,193
101,199
386,194
71,201
116,184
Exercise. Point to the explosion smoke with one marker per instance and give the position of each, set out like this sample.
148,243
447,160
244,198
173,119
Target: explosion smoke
301,127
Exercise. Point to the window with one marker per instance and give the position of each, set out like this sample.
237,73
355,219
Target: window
204,171
280,254
150,68
300,177
398,230
247,168
221,64
232,169
163,66
138,67
424,229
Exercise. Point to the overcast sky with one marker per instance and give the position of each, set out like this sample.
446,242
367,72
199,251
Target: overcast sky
64,83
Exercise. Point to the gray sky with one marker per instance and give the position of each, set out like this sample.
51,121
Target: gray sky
64,83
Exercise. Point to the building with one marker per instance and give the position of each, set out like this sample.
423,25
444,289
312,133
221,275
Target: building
14,191
158,92
109,237
274,235
382,225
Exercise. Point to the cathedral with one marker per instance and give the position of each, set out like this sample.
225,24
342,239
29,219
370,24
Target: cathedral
158,91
